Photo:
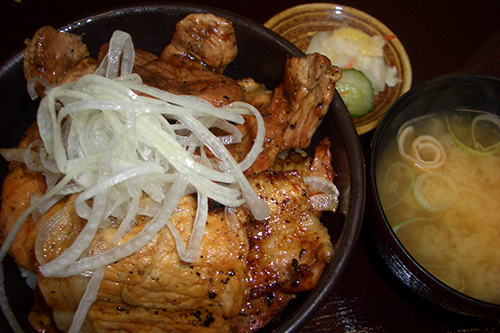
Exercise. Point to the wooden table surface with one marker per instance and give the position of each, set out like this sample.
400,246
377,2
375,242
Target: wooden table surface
440,37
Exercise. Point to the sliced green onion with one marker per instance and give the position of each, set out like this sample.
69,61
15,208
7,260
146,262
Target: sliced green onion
485,118
397,187
426,152
475,147
398,226
442,201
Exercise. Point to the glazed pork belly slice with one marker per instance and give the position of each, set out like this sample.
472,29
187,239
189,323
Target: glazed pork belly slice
51,54
206,38
20,186
183,76
56,57
153,290
289,250
296,109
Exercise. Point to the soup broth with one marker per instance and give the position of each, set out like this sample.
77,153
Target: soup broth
439,185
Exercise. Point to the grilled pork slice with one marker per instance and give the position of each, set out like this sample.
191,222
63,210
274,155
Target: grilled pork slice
86,66
53,56
153,290
288,251
20,186
209,39
255,93
297,107
183,76
320,165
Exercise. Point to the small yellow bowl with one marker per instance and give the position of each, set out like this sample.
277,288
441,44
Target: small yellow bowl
299,24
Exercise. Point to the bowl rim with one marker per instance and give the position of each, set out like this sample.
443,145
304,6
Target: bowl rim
357,182
409,271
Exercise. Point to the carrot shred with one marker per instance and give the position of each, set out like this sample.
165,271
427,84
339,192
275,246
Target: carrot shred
350,64
390,37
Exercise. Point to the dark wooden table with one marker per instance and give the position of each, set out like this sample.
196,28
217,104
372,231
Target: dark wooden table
440,37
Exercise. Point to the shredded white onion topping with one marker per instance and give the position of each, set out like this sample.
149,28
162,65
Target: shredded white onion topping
110,139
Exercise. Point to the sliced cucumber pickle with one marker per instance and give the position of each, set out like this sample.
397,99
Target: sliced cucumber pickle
356,91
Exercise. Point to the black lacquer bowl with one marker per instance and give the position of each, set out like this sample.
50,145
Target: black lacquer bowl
261,55
450,92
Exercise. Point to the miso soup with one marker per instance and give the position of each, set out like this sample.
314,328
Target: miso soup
439,185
